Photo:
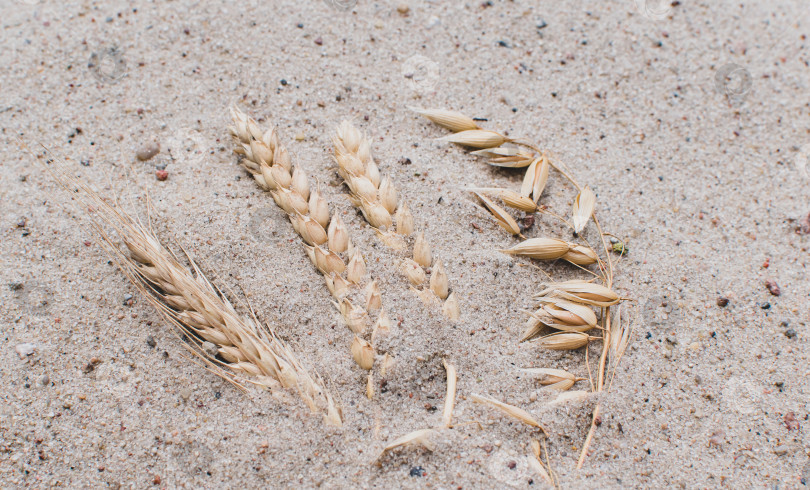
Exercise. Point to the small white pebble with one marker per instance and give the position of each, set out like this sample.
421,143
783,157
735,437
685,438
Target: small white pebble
25,350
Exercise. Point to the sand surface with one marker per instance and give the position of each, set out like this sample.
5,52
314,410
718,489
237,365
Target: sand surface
706,179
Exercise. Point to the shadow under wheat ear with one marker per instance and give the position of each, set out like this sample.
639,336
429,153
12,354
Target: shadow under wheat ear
326,237
565,308
376,196
243,349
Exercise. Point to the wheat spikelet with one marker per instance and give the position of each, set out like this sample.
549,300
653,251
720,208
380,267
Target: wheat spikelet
244,348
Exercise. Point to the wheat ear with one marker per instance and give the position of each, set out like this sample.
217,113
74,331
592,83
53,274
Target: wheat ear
245,348
327,240
376,196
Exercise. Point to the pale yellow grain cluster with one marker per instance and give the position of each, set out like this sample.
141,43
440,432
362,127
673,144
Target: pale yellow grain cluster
326,237
378,199
565,313
534,182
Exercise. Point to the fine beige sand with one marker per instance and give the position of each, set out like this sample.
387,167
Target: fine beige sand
690,120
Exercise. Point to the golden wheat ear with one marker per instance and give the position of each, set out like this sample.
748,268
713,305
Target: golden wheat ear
239,348
378,200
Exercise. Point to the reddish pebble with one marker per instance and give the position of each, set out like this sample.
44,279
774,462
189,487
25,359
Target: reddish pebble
718,437
319,41
156,480
773,288
161,174
790,421
804,226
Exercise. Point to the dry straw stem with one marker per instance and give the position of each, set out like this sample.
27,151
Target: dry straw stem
246,349
450,402
509,410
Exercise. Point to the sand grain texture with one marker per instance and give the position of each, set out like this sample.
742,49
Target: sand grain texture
707,188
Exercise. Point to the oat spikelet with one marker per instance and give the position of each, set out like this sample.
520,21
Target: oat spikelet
506,157
564,341
554,378
503,218
583,292
583,209
476,138
509,410
540,248
452,120
516,201
581,255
